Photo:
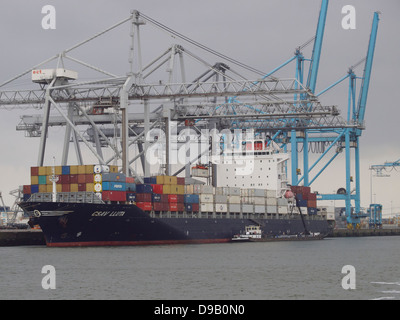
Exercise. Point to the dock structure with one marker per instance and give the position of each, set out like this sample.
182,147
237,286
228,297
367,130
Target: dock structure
364,232
25,237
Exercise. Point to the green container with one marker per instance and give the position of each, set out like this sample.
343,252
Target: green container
42,180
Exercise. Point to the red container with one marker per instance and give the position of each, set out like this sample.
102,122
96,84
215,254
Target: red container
164,198
73,178
312,196
306,190
34,171
145,206
65,179
181,207
157,188
159,206
172,198
143,197
81,187
66,188
180,198
173,206
195,207
26,189
311,203
114,196
81,178
89,178
130,180
181,181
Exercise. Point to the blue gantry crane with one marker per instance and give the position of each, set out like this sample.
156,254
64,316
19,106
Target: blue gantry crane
345,138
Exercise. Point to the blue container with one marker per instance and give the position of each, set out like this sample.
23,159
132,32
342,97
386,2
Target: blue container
113,177
299,196
131,187
191,198
34,188
312,211
151,180
156,197
144,188
113,186
26,197
188,207
131,197
302,203
65,170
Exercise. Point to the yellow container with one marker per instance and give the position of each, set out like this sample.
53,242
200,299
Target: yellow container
34,180
181,189
49,188
166,189
42,171
114,169
81,169
160,179
89,187
89,169
74,187
42,188
73,170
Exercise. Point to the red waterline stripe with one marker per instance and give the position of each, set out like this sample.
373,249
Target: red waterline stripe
133,243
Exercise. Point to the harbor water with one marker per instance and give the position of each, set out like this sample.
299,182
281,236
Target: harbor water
237,271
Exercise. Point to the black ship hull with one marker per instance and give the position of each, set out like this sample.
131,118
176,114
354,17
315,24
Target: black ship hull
86,224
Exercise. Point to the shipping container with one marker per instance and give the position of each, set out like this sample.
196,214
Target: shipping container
151,180
42,171
160,180
191,198
113,177
302,203
180,181
73,178
172,198
206,207
311,203
271,201
42,180
34,188
26,189
42,188
131,197
221,198
65,170
157,188
271,209
206,198
34,171
259,208
260,201
195,207
283,210
143,197
160,206
247,208
34,179
113,196
113,169
173,206
270,193
73,170
130,180
113,186
90,187
145,206
65,188
144,188
74,187
188,207
221,207
130,187
258,193
282,201
81,169
234,199
189,189
312,211
234,208
82,187
65,179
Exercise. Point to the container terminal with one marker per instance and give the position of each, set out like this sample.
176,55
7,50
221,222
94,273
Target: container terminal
178,158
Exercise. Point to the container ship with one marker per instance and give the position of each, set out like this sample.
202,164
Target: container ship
96,205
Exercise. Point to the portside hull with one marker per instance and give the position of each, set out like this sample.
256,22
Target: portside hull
84,224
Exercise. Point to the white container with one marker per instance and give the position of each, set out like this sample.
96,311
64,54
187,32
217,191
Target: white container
259,201
219,191
207,189
234,199
282,209
259,209
189,189
246,200
282,202
206,198
258,193
270,193
204,173
272,209
234,208
247,208
271,202
233,191
220,207
221,199
206,207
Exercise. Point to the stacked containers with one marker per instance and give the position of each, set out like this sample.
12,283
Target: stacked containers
206,197
271,202
306,199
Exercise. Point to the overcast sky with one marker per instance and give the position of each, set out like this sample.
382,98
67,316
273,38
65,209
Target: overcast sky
260,33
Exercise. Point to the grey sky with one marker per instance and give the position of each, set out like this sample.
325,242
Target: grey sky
261,33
